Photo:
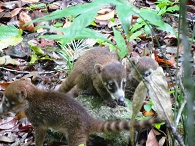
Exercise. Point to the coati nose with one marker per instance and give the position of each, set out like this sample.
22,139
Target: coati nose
121,98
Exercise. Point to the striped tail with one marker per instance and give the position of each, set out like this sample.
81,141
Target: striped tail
112,126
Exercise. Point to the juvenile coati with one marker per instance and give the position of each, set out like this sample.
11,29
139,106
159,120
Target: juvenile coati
143,65
98,72
46,109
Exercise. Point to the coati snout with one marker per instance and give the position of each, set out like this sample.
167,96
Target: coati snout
98,72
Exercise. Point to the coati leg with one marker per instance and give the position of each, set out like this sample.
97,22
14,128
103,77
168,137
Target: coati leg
67,85
40,136
105,96
77,138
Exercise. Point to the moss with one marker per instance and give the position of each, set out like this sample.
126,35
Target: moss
99,110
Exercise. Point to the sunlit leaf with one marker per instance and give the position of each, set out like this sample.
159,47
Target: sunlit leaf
9,32
9,36
120,44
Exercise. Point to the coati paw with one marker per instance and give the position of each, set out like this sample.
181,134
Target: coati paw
121,103
111,103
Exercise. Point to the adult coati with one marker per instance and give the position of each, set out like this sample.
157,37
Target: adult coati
98,72
47,109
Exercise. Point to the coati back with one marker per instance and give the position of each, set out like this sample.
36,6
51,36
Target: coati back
143,65
46,109
98,72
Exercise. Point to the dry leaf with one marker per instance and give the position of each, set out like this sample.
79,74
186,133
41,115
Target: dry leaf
8,122
107,16
138,99
23,19
159,93
104,11
6,139
151,141
162,141
15,12
5,60
30,1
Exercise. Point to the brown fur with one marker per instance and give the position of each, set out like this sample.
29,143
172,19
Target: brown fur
46,109
92,73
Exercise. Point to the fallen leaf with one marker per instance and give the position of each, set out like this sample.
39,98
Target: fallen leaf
8,123
104,11
151,140
3,85
138,99
23,19
162,141
30,1
5,60
6,139
107,16
158,91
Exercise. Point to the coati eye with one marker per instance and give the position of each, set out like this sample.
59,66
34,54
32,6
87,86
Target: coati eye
147,73
124,83
110,85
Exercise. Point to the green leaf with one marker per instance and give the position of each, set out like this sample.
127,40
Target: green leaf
152,17
120,44
135,35
125,18
85,33
147,107
168,28
33,59
173,8
137,26
147,29
9,31
81,145
156,20
36,49
12,41
70,11
9,35
89,33
158,125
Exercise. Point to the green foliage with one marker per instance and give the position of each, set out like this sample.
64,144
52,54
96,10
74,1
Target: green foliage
165,6
38,54
158,125
120,44
81,145
9,31
150,17
37,6
9,35
84,15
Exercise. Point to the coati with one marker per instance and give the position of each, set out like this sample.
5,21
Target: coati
47,109
143,65
98,72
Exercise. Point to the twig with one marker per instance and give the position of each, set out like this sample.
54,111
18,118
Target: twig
26,72
184,102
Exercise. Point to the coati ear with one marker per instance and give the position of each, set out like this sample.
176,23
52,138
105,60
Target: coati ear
98,68
124,62
134,60
21,94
